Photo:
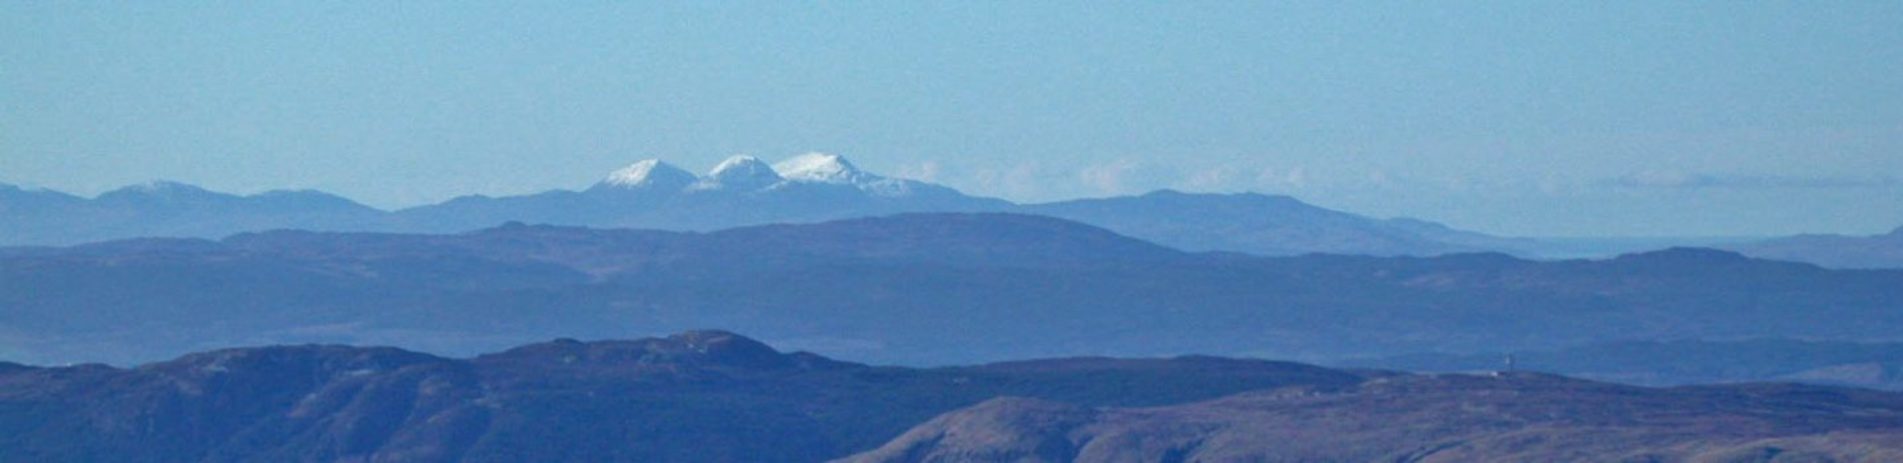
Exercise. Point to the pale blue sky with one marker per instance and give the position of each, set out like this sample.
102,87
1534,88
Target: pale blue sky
1526,118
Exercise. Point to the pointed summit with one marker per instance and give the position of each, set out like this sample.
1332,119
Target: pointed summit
821,167
740,172
650,173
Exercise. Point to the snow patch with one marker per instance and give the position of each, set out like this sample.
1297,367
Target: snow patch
821,167
739,172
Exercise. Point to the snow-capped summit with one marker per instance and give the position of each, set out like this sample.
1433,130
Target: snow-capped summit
650,173
821,167
739,172
833,169
806,172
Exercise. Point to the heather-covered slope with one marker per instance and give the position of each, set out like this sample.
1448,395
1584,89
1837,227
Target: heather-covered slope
714,396
1453,418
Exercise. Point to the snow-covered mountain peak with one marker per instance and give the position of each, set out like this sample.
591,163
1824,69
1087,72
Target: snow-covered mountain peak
821,167
740,172
649,173
738,163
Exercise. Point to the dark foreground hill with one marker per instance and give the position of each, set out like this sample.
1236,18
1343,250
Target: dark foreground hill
1453,418
695,396
913,289
716,396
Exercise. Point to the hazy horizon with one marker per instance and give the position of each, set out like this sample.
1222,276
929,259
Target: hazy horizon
1585,119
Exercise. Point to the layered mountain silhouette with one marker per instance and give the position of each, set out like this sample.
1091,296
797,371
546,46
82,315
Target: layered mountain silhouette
914,289
1839,251
1269,225
740,191
39,217
744,191
715,396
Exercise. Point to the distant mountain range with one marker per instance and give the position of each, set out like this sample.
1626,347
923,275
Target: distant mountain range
740,191
915,289
714,396
743,191
44,217
1270,226
1838,251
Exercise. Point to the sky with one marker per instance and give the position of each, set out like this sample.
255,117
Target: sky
1518,118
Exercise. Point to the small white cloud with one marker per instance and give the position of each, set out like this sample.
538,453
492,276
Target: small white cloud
928,171
1228,177
1690,180
1380,179
1021,180
1294,178
1114,177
